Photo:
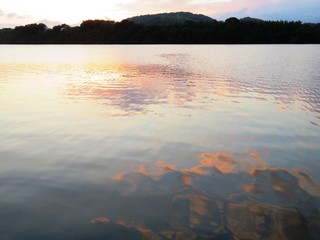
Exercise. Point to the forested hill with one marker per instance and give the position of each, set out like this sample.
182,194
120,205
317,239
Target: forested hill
231,31
169,18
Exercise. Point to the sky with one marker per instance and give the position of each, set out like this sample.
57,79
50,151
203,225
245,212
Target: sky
73,12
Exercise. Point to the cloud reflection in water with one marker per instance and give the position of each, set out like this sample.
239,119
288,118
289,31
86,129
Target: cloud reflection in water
175,143
180,80
225,196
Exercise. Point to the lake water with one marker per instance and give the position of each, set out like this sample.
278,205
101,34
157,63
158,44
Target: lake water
160,142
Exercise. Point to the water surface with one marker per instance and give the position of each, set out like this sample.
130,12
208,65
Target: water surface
160,142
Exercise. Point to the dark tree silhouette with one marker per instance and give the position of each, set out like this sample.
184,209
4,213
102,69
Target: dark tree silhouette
232,31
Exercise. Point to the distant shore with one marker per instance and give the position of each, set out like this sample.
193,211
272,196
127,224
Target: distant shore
231,31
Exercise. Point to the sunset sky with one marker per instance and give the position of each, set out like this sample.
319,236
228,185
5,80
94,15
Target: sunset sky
54,12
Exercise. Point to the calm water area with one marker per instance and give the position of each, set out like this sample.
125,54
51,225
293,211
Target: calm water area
159,142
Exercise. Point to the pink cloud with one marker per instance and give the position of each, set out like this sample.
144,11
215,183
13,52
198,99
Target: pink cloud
271,9
222,8
206,7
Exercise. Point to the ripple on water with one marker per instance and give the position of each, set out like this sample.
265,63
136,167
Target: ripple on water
210,142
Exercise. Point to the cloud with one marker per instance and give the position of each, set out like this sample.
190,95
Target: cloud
14,15
222,9
306,11
16,12
11,15
49,23
11,20
140,7
69,12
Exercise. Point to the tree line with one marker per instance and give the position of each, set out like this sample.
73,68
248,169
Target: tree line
231,31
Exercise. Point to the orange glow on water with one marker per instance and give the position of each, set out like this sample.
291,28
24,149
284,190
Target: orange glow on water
172,143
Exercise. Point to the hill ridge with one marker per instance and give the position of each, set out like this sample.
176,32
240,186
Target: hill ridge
169,18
